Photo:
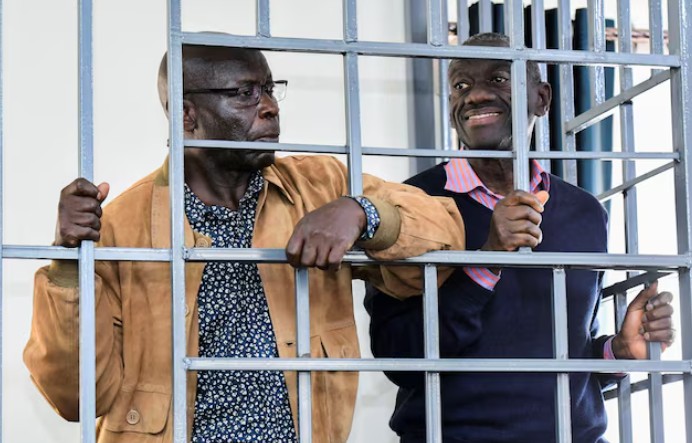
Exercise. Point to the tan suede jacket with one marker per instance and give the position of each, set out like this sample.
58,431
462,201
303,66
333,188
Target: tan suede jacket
133,299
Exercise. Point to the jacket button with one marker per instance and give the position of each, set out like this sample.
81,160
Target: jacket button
202,242
133,417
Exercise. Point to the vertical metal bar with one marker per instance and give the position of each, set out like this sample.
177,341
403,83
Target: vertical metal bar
353,127
597,43
176,185
485,13
567,88
433,404
463,25
2,212
624,385
303,349
445,124
263,20
563,414
87,304
350,21
655,29
539,42
679,43
520,142
437,29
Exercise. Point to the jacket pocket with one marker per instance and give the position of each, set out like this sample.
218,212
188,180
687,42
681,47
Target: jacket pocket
337,389
138,411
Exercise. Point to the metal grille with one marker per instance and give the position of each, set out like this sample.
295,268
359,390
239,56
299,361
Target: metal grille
674,67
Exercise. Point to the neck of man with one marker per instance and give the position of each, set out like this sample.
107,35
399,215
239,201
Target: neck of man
215,185
497,174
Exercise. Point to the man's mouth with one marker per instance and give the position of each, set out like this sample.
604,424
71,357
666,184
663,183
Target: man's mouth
482,116
270,138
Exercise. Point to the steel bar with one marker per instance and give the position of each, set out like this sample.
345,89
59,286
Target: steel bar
176,174
437,22
597,43
263,18
424,152
353,126
389,49
643,385
87,300
433,401
520,141
302,295
563,408
624,393
485,16
655,379
607,195
567,89
463,22
538,38
538,259
632,282
679,44
655,29
2,213
350,21
581,260
605,109
442,365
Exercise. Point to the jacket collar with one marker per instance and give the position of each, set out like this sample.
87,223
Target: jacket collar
161,207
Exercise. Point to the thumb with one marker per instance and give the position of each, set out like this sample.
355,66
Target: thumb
640,301
542,196
103,188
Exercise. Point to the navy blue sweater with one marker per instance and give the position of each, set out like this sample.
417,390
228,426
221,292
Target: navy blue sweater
513,321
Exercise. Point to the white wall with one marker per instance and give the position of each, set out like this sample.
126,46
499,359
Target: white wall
40,100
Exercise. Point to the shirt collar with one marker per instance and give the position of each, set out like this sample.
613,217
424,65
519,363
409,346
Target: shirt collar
462,179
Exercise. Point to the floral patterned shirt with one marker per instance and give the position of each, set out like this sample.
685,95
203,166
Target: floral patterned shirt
236,406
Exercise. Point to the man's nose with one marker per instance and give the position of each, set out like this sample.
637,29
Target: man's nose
268,106
480,93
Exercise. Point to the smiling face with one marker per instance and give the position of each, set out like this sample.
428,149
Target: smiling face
481,100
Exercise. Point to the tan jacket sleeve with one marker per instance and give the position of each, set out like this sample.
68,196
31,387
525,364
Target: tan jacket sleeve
52,352
412,223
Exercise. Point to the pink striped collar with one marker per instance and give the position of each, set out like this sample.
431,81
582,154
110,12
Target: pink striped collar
462,179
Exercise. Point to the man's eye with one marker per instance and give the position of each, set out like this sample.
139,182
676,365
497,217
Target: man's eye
460,86
246,92
500,79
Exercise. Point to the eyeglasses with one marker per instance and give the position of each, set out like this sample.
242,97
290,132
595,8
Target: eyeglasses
249,95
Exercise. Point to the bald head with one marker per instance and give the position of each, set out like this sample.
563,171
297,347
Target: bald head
500,40
209,67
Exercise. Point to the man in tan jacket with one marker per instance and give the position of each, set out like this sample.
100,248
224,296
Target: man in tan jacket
236,199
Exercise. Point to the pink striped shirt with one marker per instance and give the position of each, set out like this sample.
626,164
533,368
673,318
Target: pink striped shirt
462,179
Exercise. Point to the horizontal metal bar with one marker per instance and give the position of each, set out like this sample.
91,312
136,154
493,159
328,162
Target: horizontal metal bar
260,255
438,365
632,282
483,258
598,113
607,195
60,253
643,385
388,49
424,152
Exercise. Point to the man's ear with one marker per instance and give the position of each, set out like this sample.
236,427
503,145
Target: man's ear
544,94
189,116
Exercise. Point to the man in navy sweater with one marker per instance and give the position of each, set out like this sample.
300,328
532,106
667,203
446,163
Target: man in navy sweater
493,313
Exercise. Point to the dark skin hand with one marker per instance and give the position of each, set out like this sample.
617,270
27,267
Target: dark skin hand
79,213
515,223
648,319
322,237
